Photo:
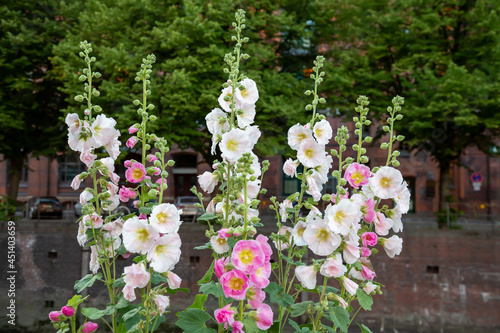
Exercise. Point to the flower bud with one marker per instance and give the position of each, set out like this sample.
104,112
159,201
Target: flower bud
68,311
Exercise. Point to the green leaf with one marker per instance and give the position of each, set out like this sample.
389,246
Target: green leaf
193,321
208,275
250,325
75,301
87,281
212,288
276,295
158,278
358,266
364,329
145,210
94,313
275,328
340,317
328,328
121,250
328,289
299,309
122,302
203,247
199,300
175,291
131,313
118,283
364,300
207,217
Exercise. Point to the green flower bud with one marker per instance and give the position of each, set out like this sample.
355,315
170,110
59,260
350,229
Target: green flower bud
79,98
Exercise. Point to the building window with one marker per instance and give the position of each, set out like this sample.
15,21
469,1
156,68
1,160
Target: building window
69,166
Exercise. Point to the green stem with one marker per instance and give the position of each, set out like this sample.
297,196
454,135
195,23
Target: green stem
389,152
143,125
89,93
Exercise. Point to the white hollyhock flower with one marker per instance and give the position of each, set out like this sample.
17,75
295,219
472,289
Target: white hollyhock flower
247,117
382,224
313,189
138,235
234,144
290,167
217,121
320,239
226,105
306,276
94,260
253,133
283,206
402,198
249,94
208,181
296,134
74,124
219,244
392,246
103,129
311,154
342,216
166,218
323,132
386,182
85,197
253,188
320,173
333,267
396,217
113,146
298,234
165,252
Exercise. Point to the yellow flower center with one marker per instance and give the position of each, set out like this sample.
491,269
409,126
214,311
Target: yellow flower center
309,153
162,217
339,216
143,234
244,93
221,241
319,132
137,173
236,283
323,235
231,144
301,136
358,178
246,256
300,231
160,249
385,182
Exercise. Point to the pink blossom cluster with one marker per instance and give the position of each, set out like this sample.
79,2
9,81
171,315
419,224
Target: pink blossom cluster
243,275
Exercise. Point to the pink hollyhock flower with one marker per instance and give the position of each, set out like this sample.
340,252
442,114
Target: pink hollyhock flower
89,327
135,173
93,219
369,288
306,276
219,244
237,327
382,224
164,182
367,273
136,276
68,311
345,196
392,246
166,218
351,252
126,194
75,183
131,142
349,285
225,233
165,252
132,129
143,216
129,293
255,297
138,235
247,256
234,284
365,252
333,267
320,239
55,316
264,245
369,239
220,266
162,302
113,146
225,315
88,158
151,158
357,175
264,318
290,167
368,210
174,281
127,163
261,277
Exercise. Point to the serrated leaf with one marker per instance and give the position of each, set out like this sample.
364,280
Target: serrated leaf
364,300
328,328
340,317
193,321
364,329
276,295
212,288
87,281
199,300
299,309
118,283
250,325
207,217
208,275
75,301
94,313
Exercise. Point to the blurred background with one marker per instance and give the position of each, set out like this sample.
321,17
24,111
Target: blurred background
443,57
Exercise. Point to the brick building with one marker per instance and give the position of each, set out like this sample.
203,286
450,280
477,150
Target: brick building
44,177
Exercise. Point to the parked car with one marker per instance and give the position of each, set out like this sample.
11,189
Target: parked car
189,209
39,207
